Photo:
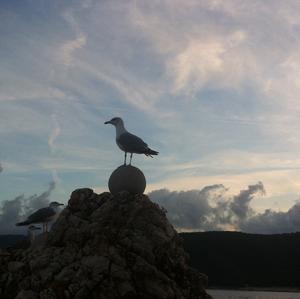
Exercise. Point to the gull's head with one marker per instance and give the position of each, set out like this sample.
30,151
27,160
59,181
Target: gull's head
116,121
55,204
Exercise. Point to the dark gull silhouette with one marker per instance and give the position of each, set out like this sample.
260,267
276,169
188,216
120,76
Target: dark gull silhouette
43,216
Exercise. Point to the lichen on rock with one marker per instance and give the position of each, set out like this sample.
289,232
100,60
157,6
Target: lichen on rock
104,246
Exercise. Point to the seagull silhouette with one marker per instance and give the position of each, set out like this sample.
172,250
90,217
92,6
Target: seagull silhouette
128,142
43,216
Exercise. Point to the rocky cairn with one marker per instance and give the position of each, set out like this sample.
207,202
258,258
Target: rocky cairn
103,246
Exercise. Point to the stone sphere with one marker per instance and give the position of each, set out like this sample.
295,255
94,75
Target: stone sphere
127,178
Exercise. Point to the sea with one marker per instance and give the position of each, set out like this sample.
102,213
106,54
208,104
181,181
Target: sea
231,294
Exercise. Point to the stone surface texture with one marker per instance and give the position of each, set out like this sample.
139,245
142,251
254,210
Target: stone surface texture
106,247
127,178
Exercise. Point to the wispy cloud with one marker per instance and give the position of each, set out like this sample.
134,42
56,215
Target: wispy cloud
131,94
70,46
54,133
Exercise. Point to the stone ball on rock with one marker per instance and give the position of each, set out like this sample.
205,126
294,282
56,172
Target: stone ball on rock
127,178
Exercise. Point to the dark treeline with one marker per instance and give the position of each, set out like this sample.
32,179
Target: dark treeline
233,259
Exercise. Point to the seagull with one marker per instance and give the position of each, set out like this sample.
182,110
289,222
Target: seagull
128,142
43,216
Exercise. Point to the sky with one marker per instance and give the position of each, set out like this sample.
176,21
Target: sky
212,85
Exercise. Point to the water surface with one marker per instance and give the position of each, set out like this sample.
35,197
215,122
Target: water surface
231,294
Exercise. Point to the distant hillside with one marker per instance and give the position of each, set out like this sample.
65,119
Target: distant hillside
10,240
233,259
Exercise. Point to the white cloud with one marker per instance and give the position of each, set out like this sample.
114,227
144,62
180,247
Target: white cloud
197,64
201,49
196,52
68,48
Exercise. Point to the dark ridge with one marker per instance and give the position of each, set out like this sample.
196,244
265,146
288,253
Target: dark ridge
235,259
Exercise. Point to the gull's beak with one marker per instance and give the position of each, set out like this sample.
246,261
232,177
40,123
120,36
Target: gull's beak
107,122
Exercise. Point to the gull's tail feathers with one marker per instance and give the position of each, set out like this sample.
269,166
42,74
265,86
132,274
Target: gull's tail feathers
23,223
150,152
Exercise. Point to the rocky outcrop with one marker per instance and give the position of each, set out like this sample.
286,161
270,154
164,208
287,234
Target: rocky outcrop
103,246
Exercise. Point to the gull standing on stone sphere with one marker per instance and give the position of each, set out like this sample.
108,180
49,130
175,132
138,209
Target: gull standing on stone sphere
43,216
128,142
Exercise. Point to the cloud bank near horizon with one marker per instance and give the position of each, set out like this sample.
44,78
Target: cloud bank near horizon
211,209
208,209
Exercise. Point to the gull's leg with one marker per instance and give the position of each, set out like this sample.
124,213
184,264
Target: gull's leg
125,158
32,237
130,158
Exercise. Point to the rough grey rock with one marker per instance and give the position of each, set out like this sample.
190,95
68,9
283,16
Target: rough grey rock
104,246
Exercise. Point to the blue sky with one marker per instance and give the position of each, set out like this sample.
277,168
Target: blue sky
212,85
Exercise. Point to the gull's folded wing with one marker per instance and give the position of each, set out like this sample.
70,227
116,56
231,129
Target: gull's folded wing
41,215
132,143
